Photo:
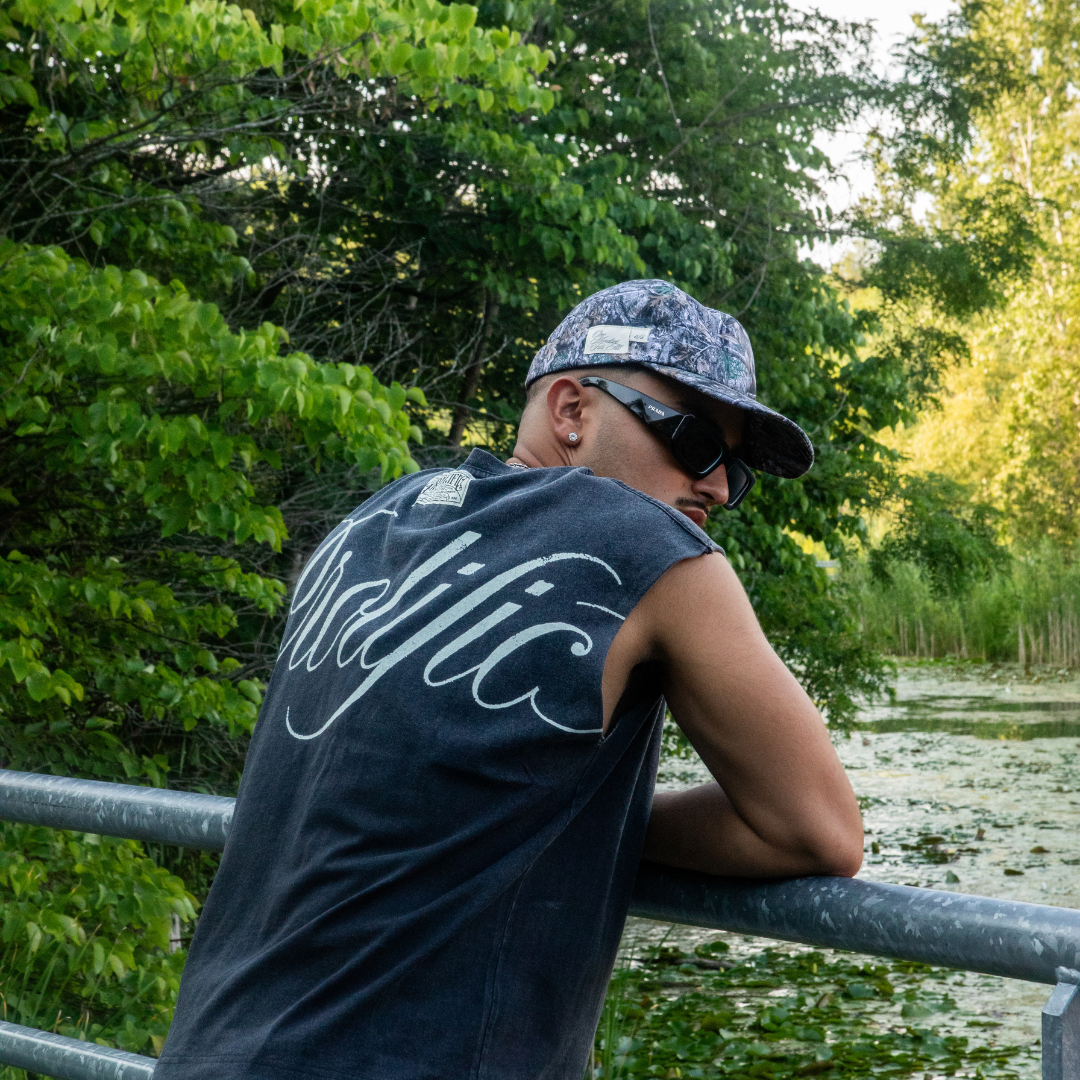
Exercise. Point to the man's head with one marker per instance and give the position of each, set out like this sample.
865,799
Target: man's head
656,338
566,423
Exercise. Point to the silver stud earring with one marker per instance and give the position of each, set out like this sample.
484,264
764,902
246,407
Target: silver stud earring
572,436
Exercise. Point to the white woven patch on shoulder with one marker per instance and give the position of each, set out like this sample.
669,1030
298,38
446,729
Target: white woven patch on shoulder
446,489
614,340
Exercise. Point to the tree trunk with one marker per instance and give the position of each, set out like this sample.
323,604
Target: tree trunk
460,418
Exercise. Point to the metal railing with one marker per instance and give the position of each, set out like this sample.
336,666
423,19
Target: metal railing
1034,942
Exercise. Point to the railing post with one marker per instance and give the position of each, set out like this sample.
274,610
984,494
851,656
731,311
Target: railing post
1061,1028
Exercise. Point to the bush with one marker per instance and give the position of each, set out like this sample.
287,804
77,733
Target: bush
1027,612
941,530
86,933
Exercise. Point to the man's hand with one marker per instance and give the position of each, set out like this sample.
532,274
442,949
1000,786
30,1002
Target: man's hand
782,805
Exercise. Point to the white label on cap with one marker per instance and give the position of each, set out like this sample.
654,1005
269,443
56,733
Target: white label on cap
614,340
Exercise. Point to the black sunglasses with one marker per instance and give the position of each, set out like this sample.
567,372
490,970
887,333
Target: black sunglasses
696,444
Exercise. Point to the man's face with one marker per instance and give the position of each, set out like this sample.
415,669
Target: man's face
619,445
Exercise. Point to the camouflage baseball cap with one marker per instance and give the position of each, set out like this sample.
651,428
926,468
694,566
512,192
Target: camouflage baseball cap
659,326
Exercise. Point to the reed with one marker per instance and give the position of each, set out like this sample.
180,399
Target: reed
1029,613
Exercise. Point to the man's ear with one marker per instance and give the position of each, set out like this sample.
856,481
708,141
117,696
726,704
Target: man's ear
564,403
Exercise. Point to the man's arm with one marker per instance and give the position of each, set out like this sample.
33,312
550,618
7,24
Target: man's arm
782,805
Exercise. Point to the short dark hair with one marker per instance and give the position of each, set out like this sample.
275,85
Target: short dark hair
609,371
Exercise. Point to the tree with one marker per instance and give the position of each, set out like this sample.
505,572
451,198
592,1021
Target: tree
148,445
991,135
252,256
939,529
680,146
139,433
436,236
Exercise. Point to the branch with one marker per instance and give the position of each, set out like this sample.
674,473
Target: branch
660,68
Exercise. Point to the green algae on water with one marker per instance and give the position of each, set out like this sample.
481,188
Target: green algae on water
779,1015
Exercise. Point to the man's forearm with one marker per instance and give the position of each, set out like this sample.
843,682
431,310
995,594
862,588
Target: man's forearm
700,829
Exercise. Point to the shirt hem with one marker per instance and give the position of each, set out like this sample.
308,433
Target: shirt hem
246,1069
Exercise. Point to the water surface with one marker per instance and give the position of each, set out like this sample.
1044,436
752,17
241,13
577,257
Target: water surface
969,781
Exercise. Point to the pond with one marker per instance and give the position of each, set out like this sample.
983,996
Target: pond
969,781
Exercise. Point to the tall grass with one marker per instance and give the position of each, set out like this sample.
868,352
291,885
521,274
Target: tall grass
1029,613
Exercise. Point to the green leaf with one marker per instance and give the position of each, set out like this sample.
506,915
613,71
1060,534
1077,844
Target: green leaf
399,57
39,685
462,17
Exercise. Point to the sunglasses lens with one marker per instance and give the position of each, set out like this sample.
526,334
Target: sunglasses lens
740,480
698,446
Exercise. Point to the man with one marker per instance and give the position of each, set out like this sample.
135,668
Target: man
450,784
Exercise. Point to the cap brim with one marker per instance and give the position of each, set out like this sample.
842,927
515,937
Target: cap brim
770,442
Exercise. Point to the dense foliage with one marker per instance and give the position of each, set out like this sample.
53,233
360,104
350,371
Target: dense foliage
941,531
990,134
256,262
87,929
150,446
141,436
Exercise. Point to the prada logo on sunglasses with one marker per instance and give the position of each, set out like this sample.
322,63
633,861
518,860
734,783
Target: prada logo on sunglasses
653,408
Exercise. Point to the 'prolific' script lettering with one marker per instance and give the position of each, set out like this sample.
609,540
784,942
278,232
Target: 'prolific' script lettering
334,623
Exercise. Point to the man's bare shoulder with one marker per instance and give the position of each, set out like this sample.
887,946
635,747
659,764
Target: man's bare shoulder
694,618
697,596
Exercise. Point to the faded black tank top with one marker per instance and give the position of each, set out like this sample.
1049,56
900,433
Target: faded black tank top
434,845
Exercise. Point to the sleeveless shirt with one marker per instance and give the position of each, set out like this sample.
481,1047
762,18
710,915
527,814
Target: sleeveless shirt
434,843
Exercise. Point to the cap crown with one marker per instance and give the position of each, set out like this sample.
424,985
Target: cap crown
681,333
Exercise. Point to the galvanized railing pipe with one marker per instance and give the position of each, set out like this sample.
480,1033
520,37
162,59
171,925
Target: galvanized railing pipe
68,1059
138,813
1034,942
975,933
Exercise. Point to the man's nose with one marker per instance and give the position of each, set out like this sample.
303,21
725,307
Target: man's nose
713,487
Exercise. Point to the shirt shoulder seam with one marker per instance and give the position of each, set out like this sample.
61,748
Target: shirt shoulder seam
675,516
